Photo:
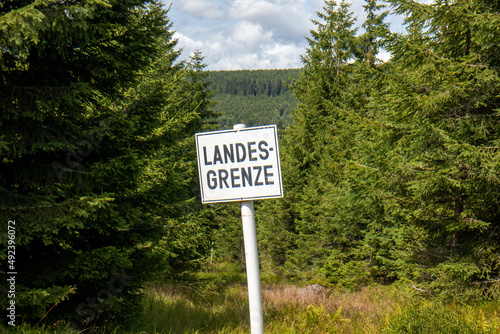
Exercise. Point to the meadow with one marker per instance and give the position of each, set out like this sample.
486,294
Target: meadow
217,302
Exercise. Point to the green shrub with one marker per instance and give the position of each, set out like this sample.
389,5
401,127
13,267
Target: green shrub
432,318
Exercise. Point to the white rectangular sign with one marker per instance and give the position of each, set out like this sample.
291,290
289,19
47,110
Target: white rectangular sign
239,165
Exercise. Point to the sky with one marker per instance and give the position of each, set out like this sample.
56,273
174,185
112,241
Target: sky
249,34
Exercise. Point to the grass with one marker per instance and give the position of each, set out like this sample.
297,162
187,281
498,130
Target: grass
430,318
219,304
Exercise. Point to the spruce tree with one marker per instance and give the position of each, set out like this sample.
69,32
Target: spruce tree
391,170
315,146
375,29
98,165
440,109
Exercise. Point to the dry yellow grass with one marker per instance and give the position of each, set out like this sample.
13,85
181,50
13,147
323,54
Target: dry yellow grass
363,311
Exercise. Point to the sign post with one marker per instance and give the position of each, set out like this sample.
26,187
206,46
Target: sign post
252,264
242,165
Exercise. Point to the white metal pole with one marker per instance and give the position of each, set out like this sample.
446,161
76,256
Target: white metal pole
252,263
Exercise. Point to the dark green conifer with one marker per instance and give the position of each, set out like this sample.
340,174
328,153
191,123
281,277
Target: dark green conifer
98,164
441,107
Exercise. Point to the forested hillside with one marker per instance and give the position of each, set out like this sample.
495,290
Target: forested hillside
259,97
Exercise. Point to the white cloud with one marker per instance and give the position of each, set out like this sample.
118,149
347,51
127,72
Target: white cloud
251,34
287,19
201,9
187,44
284,55
383,55
247,48
237,62
244,34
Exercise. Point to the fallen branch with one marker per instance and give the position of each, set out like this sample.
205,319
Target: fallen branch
418,289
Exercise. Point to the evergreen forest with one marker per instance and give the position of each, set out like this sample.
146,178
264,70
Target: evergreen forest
391,173
258,97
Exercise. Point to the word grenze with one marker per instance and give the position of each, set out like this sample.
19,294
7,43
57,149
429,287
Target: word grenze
222,176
